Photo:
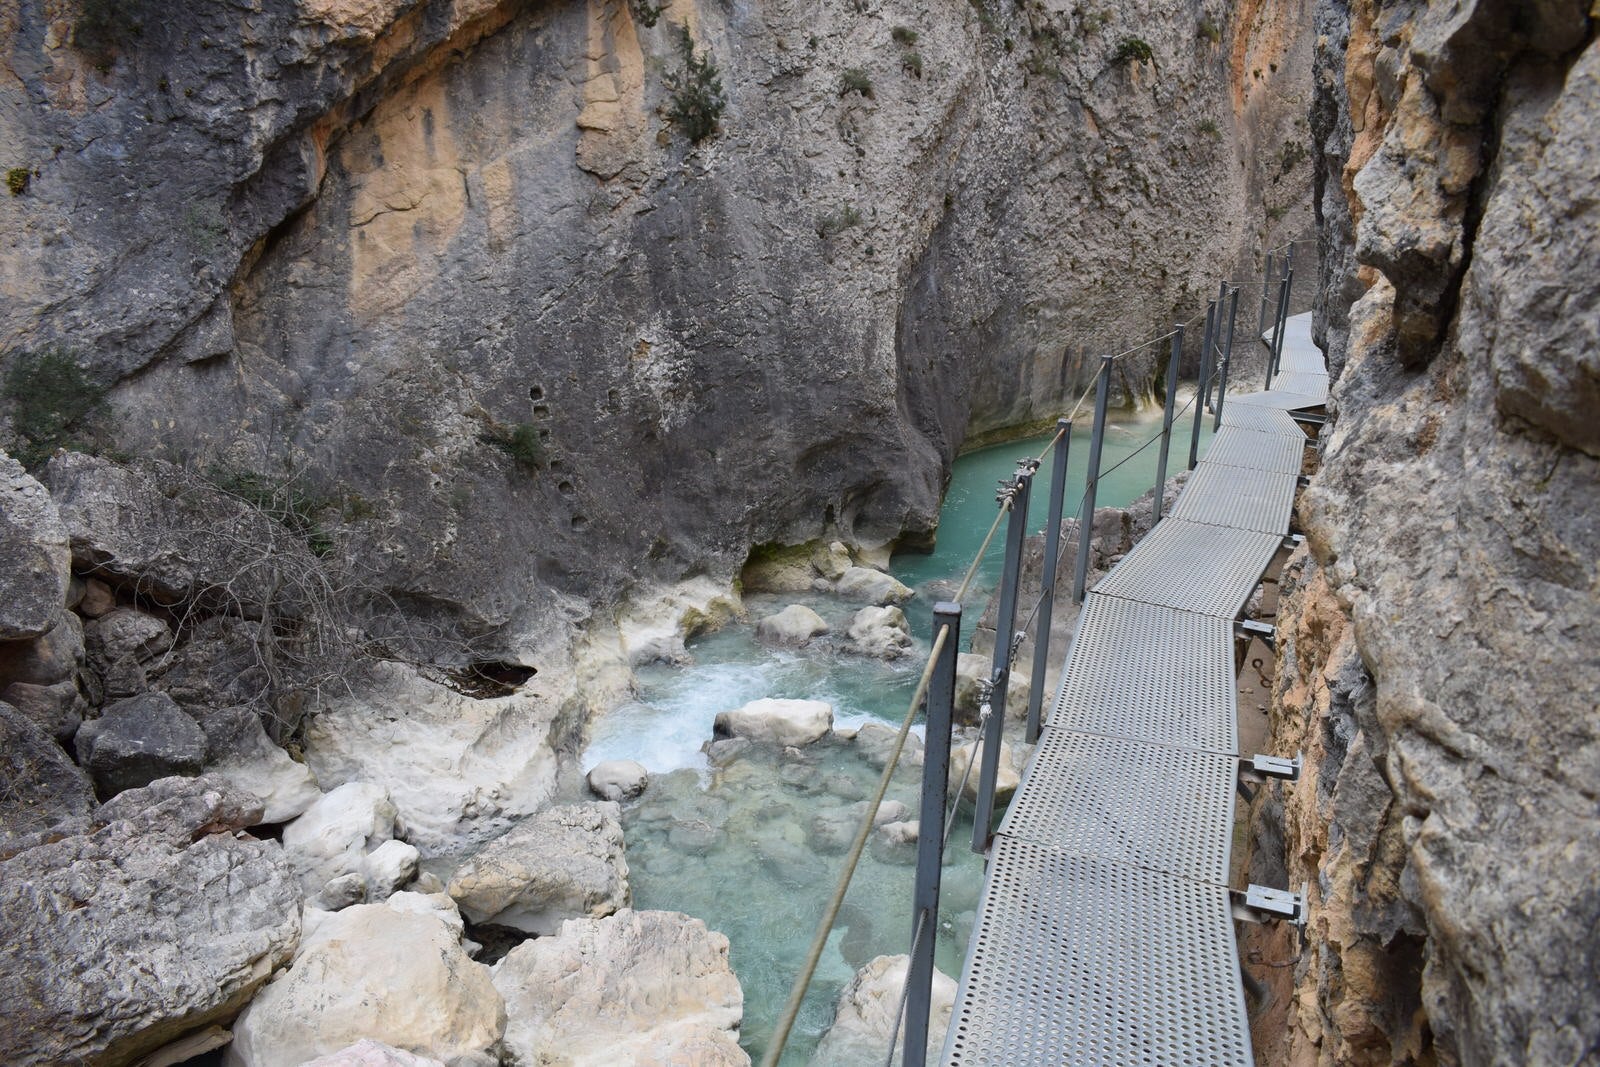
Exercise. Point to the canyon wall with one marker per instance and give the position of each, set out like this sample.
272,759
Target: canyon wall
450,264
1439,639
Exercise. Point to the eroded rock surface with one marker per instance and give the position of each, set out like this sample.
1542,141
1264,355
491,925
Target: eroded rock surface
1440,668
33,542
157,921
565,862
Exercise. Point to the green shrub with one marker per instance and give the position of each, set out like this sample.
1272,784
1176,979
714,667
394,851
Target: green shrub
1208,128
1133,50
283,499
911,63
855,80
17,180
697,96
904,35
50,398
522,443
836,222
647,13
1208,28
1294,153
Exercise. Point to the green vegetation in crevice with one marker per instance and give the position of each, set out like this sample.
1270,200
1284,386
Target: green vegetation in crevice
1133,50
17,179
645,12
855,80
283,499
51,401
522,442
698,99
836,222
1209,29
904,35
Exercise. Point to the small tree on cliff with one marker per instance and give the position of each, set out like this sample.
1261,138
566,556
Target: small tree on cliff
697,96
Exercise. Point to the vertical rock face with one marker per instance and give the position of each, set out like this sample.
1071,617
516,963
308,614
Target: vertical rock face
452,263
1440,664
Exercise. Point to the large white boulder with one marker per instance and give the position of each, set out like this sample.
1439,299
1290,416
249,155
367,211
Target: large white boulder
561,864
778,722
617,779
1006,777
882,632
864,584
637,988
332,838
972,669
859,1036
375,972
458,769
794,625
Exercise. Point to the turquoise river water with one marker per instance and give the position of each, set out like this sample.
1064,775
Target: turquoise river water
755,848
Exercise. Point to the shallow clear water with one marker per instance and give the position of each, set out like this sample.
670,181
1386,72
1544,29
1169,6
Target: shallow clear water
755,848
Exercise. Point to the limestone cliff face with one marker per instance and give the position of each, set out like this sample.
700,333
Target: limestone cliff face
361,240
1439,661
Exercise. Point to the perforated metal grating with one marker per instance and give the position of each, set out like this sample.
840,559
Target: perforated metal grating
1143,671
1276,398
1303,382
1192,566
1237,447
1154,806
1306,359
1266,420
1081,961
1237,497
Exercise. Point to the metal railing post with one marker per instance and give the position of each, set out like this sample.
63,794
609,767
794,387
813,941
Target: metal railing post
1004,623
1203,386
1227,356
1266,287
930,835
1283,320
1277,330
1086,518
1047,582
1166,420
1222,302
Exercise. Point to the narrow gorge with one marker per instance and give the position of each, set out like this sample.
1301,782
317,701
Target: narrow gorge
477,474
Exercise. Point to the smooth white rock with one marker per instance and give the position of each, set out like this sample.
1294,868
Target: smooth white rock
871,586
258,766
618,779
831,562
369,1053
390,866
859,1036
778,722
636,988
794,625
439,905
332,838
1006,777
372,971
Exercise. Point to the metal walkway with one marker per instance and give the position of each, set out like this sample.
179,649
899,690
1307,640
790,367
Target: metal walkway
1105,932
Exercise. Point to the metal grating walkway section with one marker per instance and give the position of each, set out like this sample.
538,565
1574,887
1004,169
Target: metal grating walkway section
1104,935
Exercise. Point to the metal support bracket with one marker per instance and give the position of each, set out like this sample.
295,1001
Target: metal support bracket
1248,628
1294,541
1302,481
1315,420
1259,904
1259,768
